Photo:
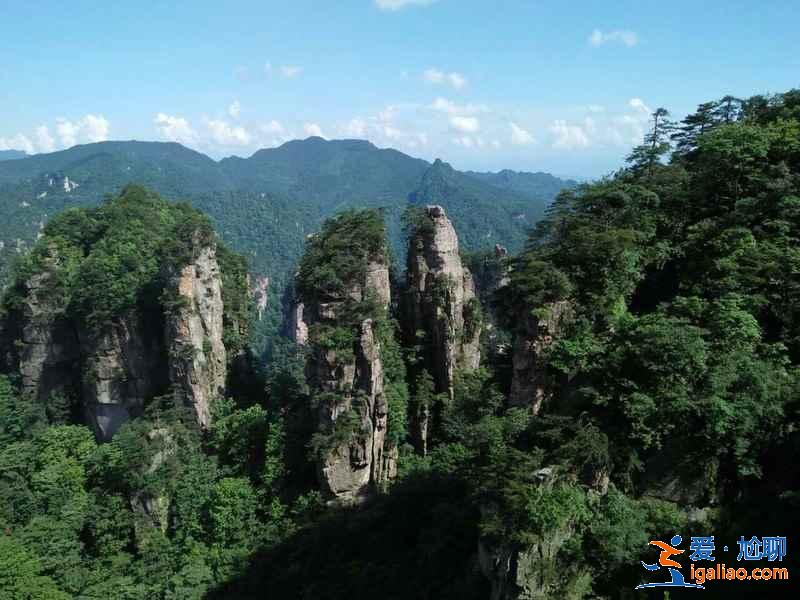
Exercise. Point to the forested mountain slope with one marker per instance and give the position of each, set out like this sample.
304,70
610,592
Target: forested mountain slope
11,154
650,388
264,205
535,185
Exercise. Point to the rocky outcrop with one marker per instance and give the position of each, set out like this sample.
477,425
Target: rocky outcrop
116,365
123,367
441,300
532,571
349,470
193,333
259,293
349,384
38,338
298,328
151,506
531,384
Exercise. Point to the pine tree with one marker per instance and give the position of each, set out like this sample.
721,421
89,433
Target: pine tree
693,126
644,157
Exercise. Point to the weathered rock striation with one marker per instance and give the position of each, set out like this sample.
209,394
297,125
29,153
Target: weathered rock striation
441,300
530,384
111,367
194,331
38,338
122,366
349,382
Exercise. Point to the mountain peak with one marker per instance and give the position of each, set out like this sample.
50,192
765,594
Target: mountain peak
12,154
442,167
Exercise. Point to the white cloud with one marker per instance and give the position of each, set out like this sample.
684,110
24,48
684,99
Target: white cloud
67,132
465,124
226,134
639,105
519,136
175,129
268,68
356,128
437,77
627,130
18,142
392,133
272,127
568,137
433,76
457,80
393,5
464,141
96,128
621,36
451,108
44,140
387,128
595,108
273,133
291,71
312,129
235,109
388,113
91,128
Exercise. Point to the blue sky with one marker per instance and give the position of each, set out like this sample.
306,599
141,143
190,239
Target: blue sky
557,86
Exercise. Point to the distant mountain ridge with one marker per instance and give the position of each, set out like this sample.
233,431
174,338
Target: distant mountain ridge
12,154
266,204
538,185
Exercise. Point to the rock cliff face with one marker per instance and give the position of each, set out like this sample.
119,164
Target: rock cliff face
259,293
298,328
193,334
123,366
39,339
114,367
349,382
441,300
530,385
532,571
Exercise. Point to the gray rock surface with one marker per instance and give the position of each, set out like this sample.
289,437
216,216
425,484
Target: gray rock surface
47,347
115,366
530,384
441,294
193,334
123,367
351,384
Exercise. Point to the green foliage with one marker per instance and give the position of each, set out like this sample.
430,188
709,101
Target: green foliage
19,417
239,437
98,264
21,575
676,386
336,258
473,318
395,382
338,435
233,512
333,338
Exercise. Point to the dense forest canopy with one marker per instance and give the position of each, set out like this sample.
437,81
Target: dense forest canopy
671,407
